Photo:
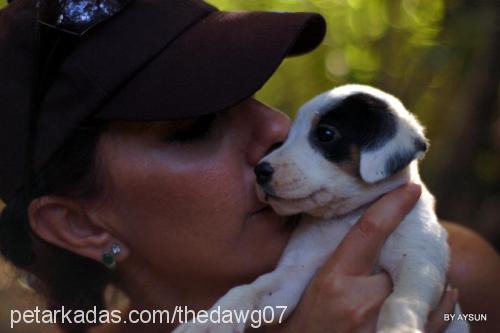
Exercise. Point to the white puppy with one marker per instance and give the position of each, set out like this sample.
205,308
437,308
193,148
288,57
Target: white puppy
348,147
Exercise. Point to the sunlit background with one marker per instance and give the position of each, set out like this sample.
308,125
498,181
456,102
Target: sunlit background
440,57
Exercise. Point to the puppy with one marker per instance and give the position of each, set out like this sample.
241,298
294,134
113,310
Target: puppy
348,147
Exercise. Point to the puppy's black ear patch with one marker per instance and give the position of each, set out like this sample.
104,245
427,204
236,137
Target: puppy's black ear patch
400,159
396,154
375,122
361,119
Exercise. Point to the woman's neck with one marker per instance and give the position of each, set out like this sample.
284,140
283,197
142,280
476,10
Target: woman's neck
173,299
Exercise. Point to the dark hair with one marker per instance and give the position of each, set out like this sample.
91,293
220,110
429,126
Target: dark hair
64,278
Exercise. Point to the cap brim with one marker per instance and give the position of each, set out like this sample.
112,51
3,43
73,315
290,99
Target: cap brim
218,62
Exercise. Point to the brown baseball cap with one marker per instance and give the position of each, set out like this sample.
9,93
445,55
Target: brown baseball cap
155,60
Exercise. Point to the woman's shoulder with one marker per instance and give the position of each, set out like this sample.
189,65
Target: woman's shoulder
475,271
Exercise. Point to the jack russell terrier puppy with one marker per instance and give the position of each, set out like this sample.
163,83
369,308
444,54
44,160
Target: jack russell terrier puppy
347,147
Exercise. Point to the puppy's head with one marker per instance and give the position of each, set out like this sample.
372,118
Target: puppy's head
344,149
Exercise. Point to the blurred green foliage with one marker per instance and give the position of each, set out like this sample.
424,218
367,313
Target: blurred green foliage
367,41
440,57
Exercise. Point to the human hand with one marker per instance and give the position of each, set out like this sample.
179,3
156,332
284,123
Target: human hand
345,296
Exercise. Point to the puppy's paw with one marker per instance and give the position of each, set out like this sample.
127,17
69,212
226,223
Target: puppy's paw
400,315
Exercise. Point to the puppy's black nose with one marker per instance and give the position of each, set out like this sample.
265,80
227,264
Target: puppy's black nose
264,172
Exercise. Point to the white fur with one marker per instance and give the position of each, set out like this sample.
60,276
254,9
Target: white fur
415,255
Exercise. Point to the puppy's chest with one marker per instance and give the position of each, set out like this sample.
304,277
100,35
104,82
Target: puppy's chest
315,239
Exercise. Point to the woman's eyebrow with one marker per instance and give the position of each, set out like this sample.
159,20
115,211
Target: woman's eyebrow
171,124
160,128
151,128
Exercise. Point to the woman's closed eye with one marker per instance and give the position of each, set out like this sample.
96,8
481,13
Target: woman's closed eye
186,131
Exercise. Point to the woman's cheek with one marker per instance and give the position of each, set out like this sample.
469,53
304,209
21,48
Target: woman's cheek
179,204
187,215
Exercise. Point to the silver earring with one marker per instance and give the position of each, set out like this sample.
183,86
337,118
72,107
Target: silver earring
108,258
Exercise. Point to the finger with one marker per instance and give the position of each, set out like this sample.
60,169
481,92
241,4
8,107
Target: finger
359,250
436,322
375,290
376,298
371,294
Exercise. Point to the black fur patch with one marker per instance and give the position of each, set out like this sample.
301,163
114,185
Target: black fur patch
361,120
398,161
401,159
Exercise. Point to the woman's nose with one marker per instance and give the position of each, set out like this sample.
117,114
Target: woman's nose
269,131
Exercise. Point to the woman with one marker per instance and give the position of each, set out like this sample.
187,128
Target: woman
142,158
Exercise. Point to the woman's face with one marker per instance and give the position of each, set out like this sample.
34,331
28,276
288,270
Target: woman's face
180,195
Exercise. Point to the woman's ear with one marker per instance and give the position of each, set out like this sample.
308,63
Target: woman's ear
64,222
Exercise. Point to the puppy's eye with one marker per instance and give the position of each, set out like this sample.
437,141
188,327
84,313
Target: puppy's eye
326,133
